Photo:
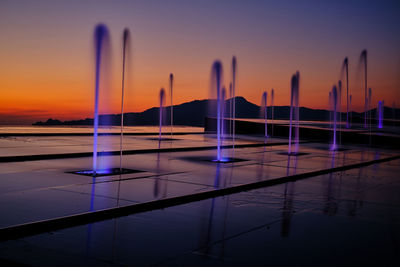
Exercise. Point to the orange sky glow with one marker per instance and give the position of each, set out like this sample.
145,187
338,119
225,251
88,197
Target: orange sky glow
47,69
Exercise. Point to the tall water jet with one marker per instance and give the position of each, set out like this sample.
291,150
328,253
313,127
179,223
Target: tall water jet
330,109
369,102
335,104
297,99
162,97
171,85
230,109
125,40
380,114
294,100
264,113
216,80
101,39
339,103
346,67
350,100
234,72
272,111
223,96
363,59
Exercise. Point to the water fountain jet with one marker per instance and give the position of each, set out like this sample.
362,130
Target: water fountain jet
264,113
334,104
294,101
125,40
346,67
101,37
363,59
380,114
171,84
272,111
162,97
234,72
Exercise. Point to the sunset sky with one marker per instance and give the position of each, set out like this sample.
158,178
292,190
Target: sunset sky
47,55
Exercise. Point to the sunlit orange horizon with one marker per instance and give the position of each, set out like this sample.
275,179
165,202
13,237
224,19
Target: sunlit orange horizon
47,63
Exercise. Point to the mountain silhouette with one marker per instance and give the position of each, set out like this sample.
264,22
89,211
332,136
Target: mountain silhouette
193,113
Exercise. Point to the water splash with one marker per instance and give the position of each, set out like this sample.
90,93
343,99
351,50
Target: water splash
101,39
264,112
162,98
363,60
272,111
380,114
334,104
294,101
345,68
216,81
171,85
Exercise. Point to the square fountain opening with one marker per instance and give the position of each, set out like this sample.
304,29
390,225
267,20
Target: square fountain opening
106,172
214,160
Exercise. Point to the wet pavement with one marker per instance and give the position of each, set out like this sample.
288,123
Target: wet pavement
348,217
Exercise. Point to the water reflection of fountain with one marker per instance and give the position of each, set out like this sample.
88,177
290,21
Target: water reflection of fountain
330,196
288,198
205,241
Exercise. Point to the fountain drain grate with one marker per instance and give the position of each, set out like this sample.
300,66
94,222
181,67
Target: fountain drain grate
106,172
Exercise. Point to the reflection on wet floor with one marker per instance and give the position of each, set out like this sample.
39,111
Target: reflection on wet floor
354,212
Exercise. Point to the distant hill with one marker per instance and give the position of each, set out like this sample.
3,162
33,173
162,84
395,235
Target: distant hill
193,114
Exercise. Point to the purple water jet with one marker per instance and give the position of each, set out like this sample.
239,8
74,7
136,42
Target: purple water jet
216,80
222,102
162,98
264,113
380,114
272,111
346,67
350,99
125,40
234,70
101,39
294,100
330,109
335,104
230,109
339,103
369,102
171,84
297,99
363,59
